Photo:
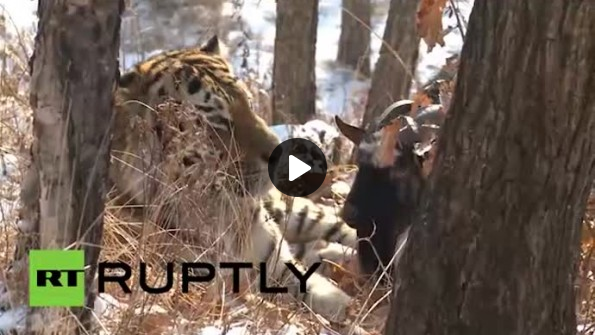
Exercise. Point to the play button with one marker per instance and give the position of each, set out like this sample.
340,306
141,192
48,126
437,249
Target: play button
297,167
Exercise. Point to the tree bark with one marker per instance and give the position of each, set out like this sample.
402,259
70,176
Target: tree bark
354,42
392,77
74,68
294,79
497,249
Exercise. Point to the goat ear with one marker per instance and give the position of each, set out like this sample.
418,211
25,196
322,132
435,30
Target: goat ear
354,134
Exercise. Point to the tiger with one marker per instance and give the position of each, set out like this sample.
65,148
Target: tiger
187,139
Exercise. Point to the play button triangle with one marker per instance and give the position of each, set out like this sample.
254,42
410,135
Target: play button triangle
297,168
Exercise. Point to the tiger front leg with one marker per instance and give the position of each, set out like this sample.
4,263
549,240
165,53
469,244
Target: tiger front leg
322,295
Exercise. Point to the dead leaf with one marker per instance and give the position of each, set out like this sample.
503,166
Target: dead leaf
420,99
429,22
346,275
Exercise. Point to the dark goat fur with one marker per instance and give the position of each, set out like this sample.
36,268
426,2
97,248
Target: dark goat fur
383,200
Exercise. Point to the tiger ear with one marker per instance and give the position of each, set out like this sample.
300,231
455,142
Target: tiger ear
212,46
129,83
354,134
129,79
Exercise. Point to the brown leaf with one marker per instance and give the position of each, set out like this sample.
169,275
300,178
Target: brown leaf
420,99
346,275
429,22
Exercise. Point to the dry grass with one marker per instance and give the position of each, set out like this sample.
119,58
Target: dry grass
586,275
15,135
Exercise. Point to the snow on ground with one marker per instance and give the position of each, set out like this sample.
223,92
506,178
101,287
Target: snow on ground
339,92
8,168
13,318
8,165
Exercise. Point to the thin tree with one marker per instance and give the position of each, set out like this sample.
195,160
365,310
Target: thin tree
394,69
497,248
73,71
294,79
354,42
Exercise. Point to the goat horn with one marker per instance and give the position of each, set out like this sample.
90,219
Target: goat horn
394,110
433,113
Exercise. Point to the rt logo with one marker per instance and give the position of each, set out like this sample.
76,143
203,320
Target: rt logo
56,278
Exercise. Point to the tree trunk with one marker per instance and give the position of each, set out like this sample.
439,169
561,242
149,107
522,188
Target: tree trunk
74,68
497,250
294,85
392,77
354,43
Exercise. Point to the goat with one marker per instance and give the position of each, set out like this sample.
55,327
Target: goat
384,197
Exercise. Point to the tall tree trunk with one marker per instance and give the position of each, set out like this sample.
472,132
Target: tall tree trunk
354,42
497,250
392,76
74,68
294,79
